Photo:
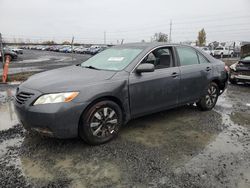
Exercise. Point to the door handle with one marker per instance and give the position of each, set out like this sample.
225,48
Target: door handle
208,69
174,74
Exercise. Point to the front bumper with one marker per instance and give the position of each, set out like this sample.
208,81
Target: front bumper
59,120
239,77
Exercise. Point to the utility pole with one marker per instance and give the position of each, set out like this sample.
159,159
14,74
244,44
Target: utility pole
170,32
1,48
104,37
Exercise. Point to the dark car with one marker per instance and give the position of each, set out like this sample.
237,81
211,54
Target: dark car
94,99
8,52
240,71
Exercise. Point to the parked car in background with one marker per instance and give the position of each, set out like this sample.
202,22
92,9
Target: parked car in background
96,49
93,49
207,50
81,50
17,50
240,71
97,97
65,49
223,52
7,51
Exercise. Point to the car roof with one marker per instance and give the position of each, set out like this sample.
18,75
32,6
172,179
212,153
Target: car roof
145,45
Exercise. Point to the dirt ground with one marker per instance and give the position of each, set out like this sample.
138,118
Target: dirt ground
182,147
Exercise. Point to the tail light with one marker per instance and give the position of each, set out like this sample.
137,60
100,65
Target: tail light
227,69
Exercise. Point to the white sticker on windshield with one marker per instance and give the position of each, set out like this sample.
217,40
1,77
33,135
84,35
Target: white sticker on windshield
115,58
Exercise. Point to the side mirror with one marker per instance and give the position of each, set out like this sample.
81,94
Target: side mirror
145,67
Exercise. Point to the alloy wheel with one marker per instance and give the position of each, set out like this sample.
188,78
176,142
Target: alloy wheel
211,96
104,122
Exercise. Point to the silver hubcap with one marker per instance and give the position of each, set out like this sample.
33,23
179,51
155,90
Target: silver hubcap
211,96
104,122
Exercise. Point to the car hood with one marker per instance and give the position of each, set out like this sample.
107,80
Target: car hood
72,78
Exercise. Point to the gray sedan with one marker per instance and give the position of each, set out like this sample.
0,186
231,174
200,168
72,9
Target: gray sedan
94,99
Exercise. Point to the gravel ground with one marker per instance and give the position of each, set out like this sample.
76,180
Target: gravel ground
183,147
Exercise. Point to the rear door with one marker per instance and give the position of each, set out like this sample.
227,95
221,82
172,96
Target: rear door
154,91
196,72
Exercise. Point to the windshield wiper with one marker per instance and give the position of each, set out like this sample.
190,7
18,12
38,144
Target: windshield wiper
90,67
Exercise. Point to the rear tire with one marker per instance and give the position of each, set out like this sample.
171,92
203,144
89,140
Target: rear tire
101,122
208,101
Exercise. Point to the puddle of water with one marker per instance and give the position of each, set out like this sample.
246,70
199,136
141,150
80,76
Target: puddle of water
223,155
8,117
245,179
35,170
80,173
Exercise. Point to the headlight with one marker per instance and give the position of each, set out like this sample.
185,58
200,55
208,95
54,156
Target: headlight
56,98
233,66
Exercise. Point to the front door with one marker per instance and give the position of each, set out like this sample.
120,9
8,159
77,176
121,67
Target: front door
158,90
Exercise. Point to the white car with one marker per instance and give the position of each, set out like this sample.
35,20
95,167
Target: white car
207,50
223,51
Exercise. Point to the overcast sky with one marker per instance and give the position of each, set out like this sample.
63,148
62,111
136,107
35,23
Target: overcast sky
131,20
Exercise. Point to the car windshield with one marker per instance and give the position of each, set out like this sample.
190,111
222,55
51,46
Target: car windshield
112,59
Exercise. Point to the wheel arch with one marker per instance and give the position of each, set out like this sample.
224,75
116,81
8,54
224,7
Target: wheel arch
219,83
103,98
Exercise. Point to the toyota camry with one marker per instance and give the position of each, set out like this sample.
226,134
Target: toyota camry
94,99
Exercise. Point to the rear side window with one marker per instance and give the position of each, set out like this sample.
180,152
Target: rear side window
187,56
202,59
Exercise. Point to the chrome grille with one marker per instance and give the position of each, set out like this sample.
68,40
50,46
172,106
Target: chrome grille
22,97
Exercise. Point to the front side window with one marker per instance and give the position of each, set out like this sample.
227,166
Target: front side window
114,59
187,56
160,58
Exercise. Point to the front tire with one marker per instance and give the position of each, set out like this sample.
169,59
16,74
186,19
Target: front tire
208,101
101,123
